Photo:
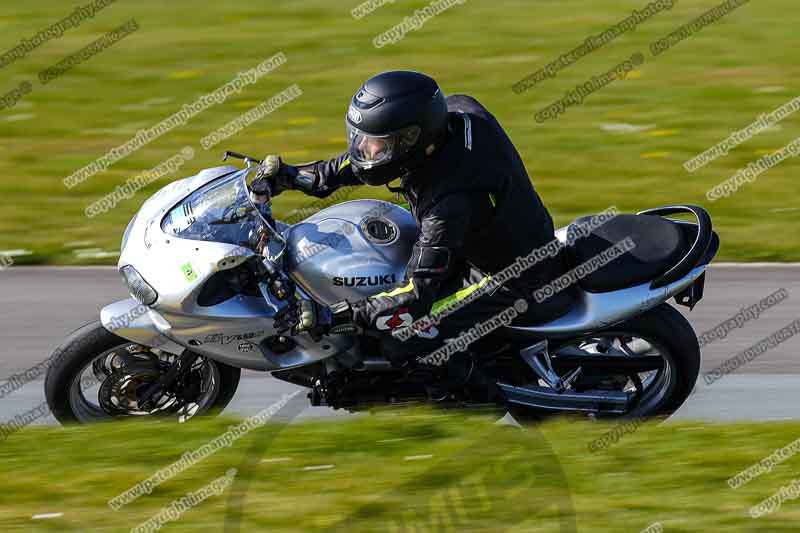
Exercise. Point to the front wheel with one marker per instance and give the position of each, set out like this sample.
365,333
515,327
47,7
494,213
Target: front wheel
97,376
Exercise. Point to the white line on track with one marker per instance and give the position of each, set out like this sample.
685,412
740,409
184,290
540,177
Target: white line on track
416,457
45,516
319,467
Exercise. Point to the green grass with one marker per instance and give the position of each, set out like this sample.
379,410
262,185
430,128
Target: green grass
695,95
469,475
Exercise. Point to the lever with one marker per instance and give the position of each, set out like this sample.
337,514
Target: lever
247,159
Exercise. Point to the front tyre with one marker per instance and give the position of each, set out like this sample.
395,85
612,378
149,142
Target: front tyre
97,376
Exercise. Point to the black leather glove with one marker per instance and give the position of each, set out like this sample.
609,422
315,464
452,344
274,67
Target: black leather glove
317,320
273,177
305,315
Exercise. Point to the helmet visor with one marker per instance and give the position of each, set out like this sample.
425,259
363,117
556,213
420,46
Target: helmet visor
370,150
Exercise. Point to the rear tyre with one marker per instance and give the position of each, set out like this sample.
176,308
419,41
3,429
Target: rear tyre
669,328
660,332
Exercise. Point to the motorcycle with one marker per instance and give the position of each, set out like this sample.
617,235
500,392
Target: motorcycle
213,277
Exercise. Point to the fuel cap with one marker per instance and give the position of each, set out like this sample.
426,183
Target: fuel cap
379,230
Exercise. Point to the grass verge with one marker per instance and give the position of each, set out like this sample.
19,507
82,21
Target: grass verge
402,470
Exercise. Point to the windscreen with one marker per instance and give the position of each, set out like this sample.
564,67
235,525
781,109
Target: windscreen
222,211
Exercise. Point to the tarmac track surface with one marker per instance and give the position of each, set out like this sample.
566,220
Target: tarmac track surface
40,306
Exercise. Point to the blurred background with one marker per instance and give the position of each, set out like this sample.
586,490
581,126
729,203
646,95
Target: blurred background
624,145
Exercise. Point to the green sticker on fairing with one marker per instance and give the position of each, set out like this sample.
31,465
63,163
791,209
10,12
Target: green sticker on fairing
189,272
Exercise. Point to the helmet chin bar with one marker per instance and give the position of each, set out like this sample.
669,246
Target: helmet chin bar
376,176
381,174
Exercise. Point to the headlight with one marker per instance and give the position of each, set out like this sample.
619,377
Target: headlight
137,286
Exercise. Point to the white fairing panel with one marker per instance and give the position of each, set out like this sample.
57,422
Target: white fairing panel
178,269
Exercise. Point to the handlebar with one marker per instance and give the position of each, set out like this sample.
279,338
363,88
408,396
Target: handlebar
247,159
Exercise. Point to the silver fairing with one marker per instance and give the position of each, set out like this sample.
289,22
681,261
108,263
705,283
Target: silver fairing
334,257
596,311
231,331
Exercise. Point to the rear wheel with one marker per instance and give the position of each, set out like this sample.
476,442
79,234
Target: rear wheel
661,332
97,376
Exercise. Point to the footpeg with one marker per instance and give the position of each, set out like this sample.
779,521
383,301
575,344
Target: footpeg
538,358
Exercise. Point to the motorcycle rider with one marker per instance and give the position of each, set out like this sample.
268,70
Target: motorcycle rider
469,192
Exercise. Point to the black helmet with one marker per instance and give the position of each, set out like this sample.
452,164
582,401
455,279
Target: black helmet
395,121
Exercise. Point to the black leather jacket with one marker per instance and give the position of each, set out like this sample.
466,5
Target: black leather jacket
475,205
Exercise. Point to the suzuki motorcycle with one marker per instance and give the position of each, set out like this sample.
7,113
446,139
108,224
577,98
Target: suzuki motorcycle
213,277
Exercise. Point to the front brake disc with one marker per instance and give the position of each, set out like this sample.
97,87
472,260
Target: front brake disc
119,392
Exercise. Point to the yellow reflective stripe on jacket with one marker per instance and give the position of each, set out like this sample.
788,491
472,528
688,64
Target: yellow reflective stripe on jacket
493,200
399,290
343,164
439,305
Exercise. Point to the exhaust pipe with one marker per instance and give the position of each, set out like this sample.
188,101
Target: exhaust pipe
595,401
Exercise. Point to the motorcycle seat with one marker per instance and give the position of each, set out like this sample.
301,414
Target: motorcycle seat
660,245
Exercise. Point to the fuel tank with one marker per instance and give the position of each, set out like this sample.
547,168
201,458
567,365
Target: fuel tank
351,250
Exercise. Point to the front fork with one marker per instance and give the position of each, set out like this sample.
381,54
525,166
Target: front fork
181,365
